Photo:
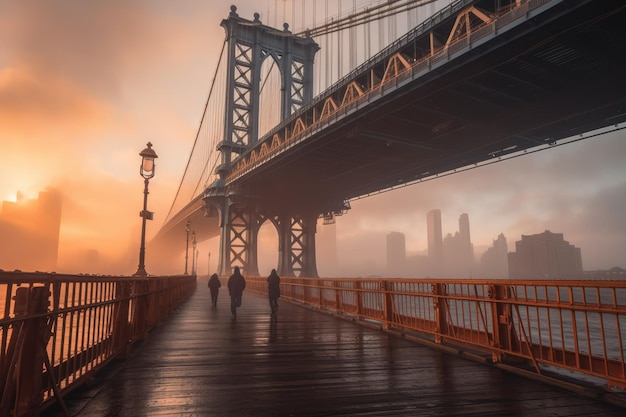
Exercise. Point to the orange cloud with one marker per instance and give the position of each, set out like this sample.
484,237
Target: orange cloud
34,104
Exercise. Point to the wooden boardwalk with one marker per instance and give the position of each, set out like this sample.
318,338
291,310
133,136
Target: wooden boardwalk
202,362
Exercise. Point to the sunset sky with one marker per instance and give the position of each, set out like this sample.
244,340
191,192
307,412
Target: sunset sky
84,86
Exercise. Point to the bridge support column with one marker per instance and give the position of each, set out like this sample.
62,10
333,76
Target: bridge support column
285,267
223,259
296,247
252,267
239,226
309,262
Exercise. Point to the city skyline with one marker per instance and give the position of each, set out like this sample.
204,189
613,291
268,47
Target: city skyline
538,256
83,88
396,264
30,232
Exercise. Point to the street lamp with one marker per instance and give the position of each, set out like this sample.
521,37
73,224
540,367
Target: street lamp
187,245
193,253
146,170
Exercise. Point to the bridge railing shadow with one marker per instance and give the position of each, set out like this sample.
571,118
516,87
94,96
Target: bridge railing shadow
553,329
56,330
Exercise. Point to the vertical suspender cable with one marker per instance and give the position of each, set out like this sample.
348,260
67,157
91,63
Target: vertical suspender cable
327,63
353,40
198,133
339,46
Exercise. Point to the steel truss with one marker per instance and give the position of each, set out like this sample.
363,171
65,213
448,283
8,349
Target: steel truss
249,44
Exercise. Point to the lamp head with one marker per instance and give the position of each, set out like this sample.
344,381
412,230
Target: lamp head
147,162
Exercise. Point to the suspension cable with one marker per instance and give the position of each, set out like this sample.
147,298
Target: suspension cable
383,10
217,68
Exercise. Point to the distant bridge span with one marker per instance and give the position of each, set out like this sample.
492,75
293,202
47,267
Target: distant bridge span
471,84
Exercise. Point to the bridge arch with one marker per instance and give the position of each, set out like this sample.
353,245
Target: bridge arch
270,87
268,236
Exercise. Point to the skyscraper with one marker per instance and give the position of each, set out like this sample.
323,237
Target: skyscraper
466,252
435,241
464,230
458,251
30,232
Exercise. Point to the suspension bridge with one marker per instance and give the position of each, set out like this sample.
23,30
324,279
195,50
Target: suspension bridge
473,83
293,130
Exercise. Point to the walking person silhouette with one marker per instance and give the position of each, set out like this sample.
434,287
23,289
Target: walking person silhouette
214,286
236,285
273,290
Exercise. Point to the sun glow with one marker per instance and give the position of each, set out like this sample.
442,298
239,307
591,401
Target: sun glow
11,198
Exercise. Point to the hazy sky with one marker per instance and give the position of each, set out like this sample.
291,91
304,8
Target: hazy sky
84,86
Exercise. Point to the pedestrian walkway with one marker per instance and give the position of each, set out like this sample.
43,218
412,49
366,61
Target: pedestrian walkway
202,362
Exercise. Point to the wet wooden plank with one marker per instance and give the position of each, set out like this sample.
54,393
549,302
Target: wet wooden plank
202,362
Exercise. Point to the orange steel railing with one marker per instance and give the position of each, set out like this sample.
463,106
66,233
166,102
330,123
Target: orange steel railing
56,330
553,326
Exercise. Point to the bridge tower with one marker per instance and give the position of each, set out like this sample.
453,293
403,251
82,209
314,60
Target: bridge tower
240,213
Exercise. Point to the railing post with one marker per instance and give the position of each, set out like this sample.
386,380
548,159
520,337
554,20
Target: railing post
358,298
440,291
306,291
387,289
321,295
121,329
504,336
139,320
25,372
154,302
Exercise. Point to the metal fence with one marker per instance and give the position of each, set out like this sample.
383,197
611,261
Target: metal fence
553,326
56,330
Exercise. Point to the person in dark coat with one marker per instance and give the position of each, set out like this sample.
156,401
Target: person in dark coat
236,285
214,286
273,290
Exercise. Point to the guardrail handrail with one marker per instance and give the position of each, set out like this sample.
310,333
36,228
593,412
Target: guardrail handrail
554,326
57,330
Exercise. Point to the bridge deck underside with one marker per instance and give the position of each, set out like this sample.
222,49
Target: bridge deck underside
201,362
536,84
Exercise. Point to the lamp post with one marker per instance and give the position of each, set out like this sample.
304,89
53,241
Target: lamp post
146,170
193,253
187,245
208,268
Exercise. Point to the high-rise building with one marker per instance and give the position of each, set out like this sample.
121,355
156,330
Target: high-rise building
494,262
435,241
466,255
396,254
458,251
30,232
545,255
464,230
